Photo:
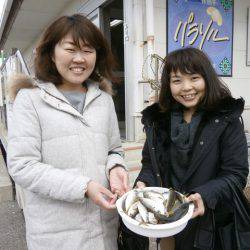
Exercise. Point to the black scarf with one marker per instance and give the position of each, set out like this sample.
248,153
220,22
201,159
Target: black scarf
182,139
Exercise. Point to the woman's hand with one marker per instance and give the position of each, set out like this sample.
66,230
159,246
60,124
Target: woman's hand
119,180
140,184
101,196
199,208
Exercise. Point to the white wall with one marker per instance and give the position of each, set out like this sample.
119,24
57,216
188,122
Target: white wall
239,84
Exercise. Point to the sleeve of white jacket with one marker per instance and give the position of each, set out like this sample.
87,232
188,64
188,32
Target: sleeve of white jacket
116,154
24,157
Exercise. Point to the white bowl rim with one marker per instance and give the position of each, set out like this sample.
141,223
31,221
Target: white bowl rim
165,226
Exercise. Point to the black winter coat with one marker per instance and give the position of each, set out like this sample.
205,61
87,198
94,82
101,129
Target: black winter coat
219,153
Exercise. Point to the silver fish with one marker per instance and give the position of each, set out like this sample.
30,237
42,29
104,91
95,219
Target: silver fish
176,205
153,195
130,200
143,212
171,199
165,195
139,194
174,215
152,219
154,206
133,210
181,197
138,218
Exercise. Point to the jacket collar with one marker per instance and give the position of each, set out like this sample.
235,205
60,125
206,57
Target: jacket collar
153,115
51,95
51,90
229,107
92,93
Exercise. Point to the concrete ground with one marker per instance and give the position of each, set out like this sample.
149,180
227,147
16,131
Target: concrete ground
12,230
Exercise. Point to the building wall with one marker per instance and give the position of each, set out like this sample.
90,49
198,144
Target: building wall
160,27
239,83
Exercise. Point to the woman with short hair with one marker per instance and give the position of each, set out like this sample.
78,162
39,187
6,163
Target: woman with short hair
64,145
196,144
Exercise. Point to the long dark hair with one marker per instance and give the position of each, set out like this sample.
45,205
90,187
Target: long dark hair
81,29
191,61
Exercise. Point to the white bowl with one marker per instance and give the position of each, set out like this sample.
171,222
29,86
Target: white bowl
154,231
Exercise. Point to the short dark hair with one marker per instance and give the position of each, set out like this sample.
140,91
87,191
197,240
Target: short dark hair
81,29
189,61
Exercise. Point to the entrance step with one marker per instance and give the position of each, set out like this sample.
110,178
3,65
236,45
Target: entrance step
132,151
133,155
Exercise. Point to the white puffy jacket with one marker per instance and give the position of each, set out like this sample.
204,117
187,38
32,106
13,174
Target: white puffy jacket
53,152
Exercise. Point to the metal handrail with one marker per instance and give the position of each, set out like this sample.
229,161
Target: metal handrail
19,56
24,65
14,64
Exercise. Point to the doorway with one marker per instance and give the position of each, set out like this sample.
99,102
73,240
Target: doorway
112,27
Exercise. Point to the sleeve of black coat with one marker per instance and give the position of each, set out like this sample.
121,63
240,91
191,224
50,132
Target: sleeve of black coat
146,174
233,166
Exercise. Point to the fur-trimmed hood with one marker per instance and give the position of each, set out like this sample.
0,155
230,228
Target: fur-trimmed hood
17,82
228,107
21,81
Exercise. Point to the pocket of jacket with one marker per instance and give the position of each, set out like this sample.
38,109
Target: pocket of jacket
228,237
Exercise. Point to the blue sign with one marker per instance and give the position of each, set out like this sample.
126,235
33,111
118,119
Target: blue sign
204,24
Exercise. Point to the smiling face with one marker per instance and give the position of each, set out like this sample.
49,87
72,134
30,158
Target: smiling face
74,64
187,89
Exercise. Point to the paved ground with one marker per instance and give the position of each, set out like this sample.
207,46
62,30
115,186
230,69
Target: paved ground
12,231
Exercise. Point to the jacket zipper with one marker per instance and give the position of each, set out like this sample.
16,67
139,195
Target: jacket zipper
153,154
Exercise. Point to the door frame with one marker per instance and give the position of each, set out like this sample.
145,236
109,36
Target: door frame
93,10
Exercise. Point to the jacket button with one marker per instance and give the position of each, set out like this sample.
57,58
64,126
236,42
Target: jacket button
201,143
58,105
216,120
